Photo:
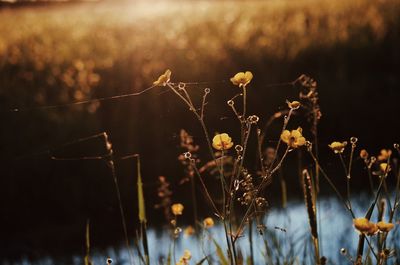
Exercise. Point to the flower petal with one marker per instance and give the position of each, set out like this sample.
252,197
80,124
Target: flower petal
300,141
285,136
248,76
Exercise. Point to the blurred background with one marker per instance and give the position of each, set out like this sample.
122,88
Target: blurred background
56,53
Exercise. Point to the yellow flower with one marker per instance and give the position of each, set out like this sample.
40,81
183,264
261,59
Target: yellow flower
363,225
189,231
208,222
163,79
385,227
177,209
338,147
293,105
184,260
187,255
385,154
222,141
294,138
242,78
384,167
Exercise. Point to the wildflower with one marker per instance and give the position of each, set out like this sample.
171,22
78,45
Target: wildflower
222,141
384,167
208,222
242,78
163,79
338,147
384,227
184,260
293,105
294,138
187,255
363,225
177,209
189,231
364,154
385,154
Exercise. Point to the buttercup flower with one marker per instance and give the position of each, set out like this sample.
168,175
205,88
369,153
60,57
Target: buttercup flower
385,154
222,141
189,230
293,138
184,260
293,105
338,147
163,79
384,227
187,255
208,222
384,167
363,225
177,209
242,78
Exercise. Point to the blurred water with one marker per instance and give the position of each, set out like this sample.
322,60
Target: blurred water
288,227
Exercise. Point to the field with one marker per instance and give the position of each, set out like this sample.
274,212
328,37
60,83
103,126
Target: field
71,71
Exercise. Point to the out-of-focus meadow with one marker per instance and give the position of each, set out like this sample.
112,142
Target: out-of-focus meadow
53,55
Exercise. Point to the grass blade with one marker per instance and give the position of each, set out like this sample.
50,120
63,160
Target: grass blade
87,243
142,209
220,254
311,210
142,212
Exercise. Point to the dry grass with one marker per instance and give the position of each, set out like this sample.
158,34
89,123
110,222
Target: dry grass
61,54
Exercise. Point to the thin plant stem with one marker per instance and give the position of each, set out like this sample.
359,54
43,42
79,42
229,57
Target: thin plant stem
244,101
174,242
237,176
205,188
259,149
348,176
371,183
353,146
285,123
228,242
194,200
259,188
203,125
110,164
187,95
251,243
201,120
143,230
203,103
360,248
331,184
347,179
